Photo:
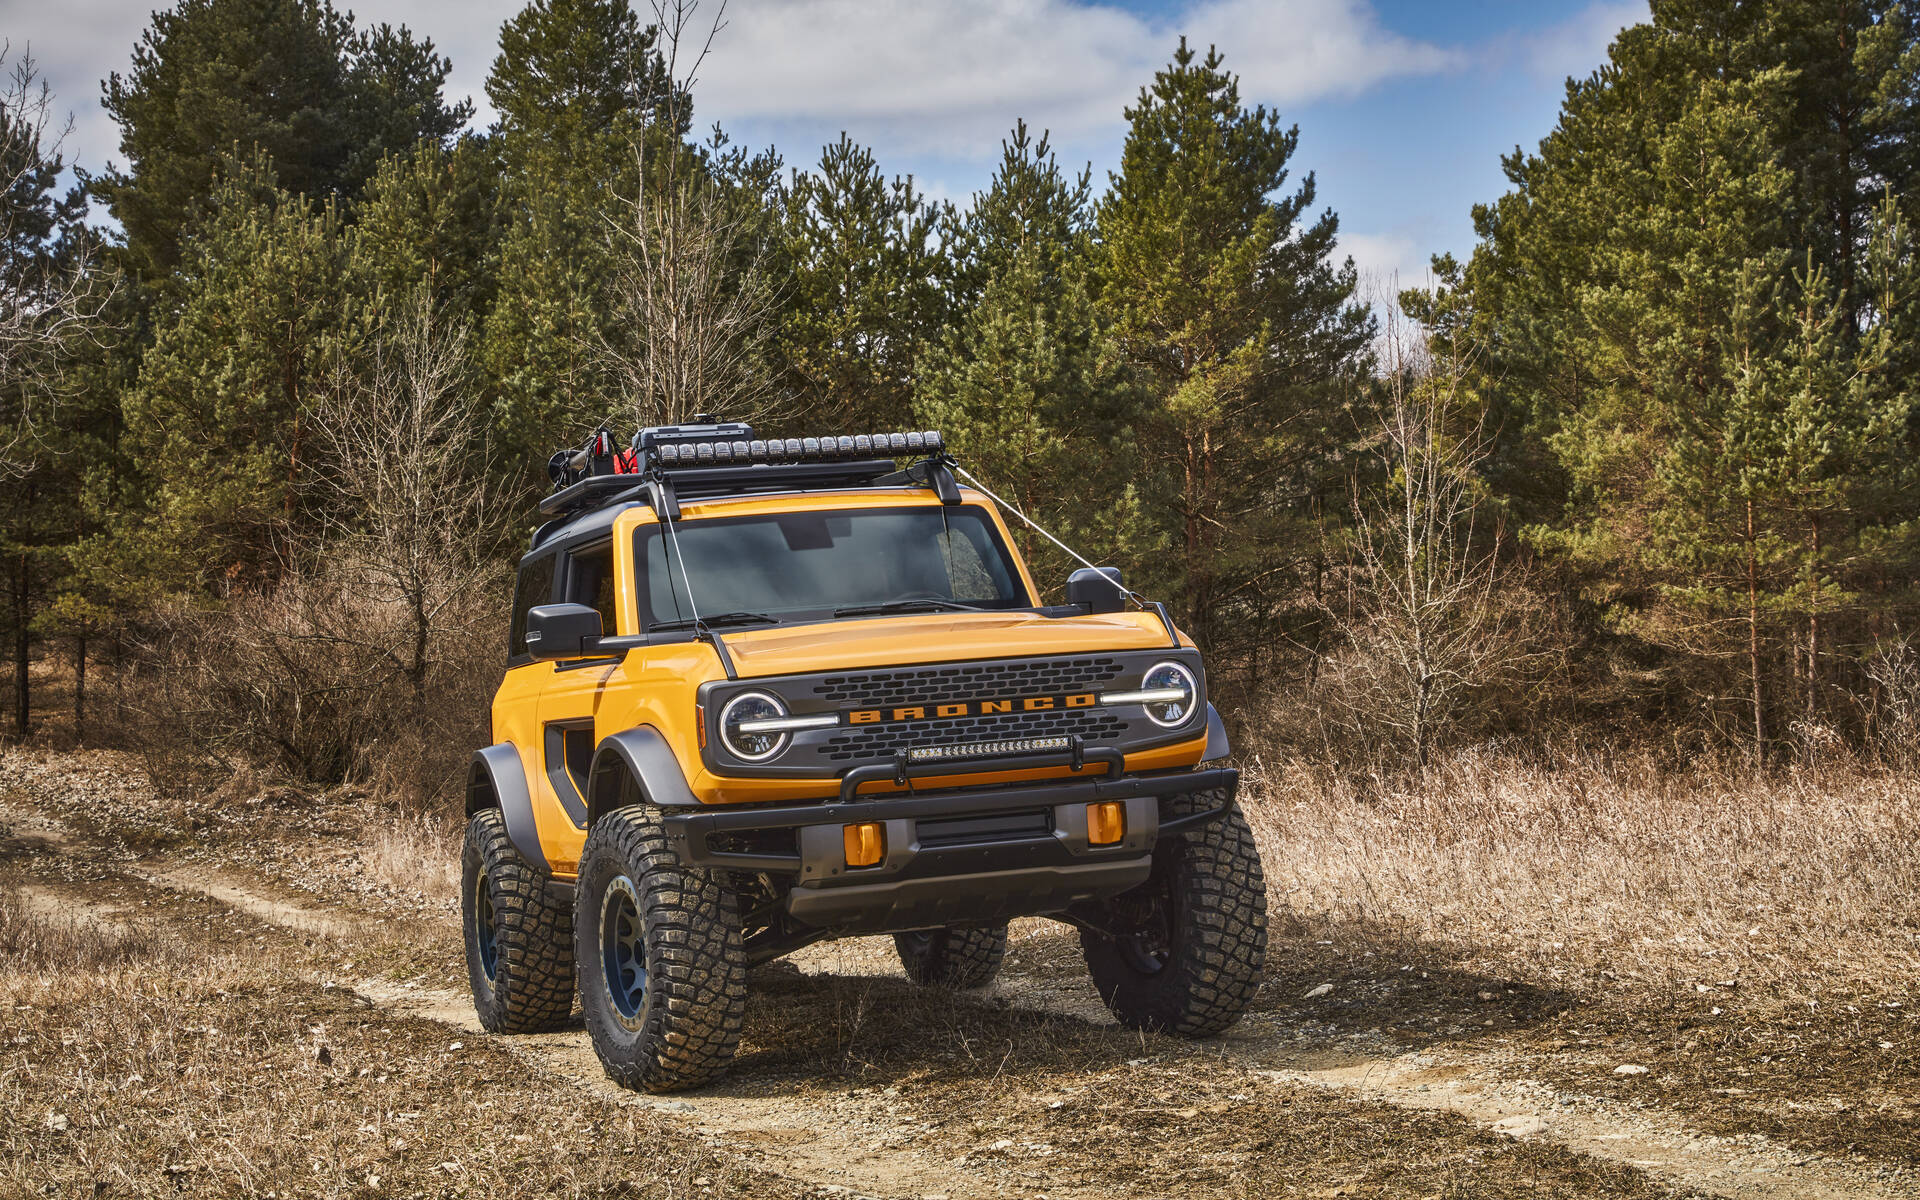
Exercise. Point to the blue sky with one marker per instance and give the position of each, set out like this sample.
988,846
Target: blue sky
1404,106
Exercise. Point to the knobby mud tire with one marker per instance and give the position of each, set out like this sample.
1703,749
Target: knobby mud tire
528,938
681,1030
1194,966
959,958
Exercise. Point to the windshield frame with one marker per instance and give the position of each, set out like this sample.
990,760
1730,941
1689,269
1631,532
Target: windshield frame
1024,599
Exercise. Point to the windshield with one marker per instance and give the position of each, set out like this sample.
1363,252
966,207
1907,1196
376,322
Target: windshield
816,565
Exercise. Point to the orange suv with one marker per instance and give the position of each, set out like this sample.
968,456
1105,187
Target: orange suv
761,693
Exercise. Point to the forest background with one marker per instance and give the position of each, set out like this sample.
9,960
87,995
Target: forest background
1638,472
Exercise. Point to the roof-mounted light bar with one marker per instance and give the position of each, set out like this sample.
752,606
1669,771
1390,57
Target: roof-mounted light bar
785,450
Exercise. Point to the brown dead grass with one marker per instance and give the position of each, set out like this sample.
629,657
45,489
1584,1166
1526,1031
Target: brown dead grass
1598,870
161,1062
417,854
1751,939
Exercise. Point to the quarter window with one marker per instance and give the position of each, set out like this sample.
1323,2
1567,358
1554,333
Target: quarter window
535,586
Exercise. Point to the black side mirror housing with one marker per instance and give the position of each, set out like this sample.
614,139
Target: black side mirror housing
562,631
1097,589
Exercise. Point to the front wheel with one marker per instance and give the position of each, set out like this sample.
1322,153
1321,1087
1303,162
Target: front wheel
1183,952
663,975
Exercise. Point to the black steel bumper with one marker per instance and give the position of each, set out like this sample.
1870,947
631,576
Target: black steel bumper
953,855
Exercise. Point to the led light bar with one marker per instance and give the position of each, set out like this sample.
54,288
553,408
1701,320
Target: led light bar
1172,695
966,750
784,450
785,724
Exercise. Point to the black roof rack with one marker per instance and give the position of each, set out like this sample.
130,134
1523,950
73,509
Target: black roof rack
683,462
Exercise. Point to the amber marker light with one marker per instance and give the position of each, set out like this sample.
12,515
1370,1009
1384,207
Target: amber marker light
866,843
700,724
1106,823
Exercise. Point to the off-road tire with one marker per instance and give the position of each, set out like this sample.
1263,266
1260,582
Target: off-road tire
527,938
1201,917
961,958
678,1026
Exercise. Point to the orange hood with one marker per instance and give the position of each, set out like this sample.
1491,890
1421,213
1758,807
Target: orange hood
936,637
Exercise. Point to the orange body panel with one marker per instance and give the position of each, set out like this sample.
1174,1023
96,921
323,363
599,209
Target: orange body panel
658,685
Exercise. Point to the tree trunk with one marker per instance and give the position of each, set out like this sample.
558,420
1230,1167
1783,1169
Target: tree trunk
1753,638
80,689
22,689
1813,621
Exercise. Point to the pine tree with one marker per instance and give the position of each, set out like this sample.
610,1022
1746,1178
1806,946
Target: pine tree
864,293
53,412
1684,315
430,218
214,80
577,82
221,414
1021,381
1243,332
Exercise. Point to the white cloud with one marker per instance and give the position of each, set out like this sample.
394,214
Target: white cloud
950,79
1578,45
1387,262
911,78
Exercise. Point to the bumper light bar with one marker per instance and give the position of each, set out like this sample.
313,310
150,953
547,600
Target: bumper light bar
782,450
965,750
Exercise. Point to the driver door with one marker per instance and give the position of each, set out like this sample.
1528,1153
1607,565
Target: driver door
570,700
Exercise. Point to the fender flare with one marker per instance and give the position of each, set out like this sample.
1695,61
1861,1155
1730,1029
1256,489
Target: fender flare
639,757
1217,747
498,779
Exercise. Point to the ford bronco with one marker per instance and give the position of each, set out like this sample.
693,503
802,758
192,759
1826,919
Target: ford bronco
761,693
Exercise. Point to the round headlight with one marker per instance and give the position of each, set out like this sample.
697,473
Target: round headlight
752,706
1170,676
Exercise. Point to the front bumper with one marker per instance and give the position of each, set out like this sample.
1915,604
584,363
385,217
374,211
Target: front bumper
955,855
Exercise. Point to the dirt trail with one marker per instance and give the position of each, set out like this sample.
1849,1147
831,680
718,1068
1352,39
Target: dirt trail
853,1143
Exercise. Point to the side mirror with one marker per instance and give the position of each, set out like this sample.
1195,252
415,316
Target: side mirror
1097,589
562,630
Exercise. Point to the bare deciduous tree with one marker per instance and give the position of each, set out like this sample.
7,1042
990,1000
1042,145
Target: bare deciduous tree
50,294
690,288
416,513
1434,617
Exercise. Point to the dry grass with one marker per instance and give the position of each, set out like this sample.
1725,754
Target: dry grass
163,1062
413,854
1600,869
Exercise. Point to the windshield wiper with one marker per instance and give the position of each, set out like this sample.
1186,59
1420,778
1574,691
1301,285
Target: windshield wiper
726,618
921,604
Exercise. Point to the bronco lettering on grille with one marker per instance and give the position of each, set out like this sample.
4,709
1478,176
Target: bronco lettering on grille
968,708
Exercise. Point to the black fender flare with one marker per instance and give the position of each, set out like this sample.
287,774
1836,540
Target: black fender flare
639,758
1217,747
498,779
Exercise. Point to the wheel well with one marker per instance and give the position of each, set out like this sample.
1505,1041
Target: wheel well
612,787
480,793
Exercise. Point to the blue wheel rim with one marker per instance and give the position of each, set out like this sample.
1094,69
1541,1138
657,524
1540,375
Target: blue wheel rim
486,939
623,950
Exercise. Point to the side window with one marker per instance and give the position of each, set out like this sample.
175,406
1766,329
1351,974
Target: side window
535,586
590,582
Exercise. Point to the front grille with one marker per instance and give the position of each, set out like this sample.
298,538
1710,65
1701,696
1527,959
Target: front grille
885,741
974,681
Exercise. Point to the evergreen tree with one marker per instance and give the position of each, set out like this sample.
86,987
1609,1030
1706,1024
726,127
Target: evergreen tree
1020,380
221,414
290,79
1683,312
864,293
577,83
430,218
1244,336
53,414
